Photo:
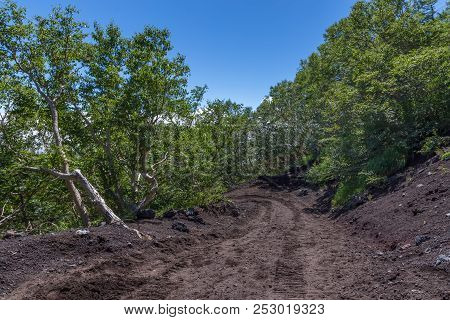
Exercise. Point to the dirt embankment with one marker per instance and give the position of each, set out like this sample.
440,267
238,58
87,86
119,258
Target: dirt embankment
276,248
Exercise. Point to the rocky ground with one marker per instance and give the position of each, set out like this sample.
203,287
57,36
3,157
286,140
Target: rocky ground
275,239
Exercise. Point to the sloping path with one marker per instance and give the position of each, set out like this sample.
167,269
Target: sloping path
281,253
276,250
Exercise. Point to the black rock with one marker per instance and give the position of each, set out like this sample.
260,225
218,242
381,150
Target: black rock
421,239
353,203
101,239
145,214
180,227
196,219
191,212
192,215
442,259
170,214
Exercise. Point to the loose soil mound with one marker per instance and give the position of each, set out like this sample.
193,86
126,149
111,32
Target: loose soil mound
412,220
269,243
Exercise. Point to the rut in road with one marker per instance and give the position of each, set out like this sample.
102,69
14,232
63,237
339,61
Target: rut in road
275,248
282,252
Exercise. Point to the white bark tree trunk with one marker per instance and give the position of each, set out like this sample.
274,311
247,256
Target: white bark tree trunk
79,206
78,202
150,178
95,197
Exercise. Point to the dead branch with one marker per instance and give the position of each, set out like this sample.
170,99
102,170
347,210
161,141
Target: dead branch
2,210
7,218
94,195
2,213
55,173
153,166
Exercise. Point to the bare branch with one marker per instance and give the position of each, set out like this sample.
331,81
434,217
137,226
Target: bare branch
65,176
166,156
7,217
2,212
151,179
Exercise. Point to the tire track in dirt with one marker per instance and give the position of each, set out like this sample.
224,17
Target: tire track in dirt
276,249
262,262
314,252
281,252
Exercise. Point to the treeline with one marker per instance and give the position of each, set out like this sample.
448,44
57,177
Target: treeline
373,97
115,110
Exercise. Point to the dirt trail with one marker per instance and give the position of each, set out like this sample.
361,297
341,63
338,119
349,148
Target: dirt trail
284,253
275,249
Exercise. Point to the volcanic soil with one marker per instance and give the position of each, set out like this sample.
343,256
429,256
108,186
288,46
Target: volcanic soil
273,239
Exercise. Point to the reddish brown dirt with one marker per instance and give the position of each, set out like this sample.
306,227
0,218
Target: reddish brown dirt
274,249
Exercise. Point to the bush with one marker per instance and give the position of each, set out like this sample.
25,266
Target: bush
445,156
433,143
387,162
321,172
347,189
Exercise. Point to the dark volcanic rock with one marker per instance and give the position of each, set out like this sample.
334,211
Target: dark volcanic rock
191,212
192,215
443,262
196,219
180,227
421,239
145,214
170,214
353,203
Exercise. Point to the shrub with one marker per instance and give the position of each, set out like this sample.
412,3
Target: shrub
431,144
347,189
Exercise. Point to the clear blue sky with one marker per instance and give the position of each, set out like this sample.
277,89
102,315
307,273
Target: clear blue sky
238,48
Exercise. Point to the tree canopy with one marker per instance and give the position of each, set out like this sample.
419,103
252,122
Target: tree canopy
86,101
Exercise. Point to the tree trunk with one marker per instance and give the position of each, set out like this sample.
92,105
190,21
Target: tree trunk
79,206
150,194
96,198
101,205
117,193
150,178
